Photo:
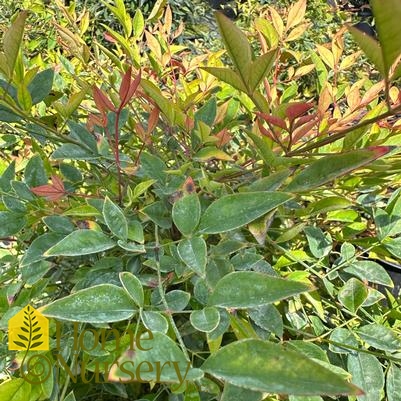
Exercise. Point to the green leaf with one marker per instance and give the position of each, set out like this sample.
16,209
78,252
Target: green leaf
251,289
35,173
353,294
330,167
142,187
259,68
135,231
319,244
205,320
102,303
368,270
393,383
193,252
39,246
321,70
234,211
8,116
115,219
235,393
133,287
157,10
344,337
41,85
70,396
24,97
269,318
269,183
73,152
371,47
380,337
138,23
186,213
207,113
12,41
236,44
228,76
81,242
11,223
154,321
388,27
268,367
159,214
7,176
177,300
16,389
210,153
58,224
81,134
161,351
367,374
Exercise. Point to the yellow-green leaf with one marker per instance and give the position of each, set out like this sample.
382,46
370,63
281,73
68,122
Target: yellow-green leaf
12,41
228,76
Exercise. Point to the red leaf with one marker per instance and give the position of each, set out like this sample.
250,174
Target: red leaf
189,186
277,121
380,151
153,119
125,85
303,120
295,110
133,87
96,119
264,131
109,38
224,137
53,192
128,87
103,103
303,130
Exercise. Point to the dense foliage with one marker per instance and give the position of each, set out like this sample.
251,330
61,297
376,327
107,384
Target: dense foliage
225,217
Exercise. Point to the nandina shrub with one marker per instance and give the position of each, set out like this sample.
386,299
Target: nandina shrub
194,227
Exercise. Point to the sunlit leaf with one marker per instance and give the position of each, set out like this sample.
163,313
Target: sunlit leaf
268,367
102,303
251,289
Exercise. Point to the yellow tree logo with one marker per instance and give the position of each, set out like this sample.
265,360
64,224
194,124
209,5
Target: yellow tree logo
28,330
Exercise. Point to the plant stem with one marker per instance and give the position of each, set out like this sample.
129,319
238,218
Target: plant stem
117,155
